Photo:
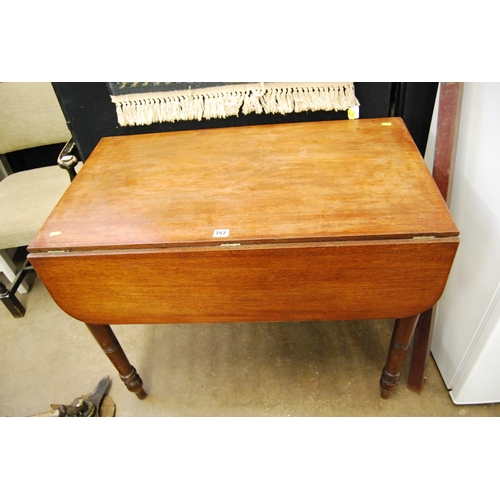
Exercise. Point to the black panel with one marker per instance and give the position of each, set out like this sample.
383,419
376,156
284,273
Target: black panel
374,99
418,107
91,114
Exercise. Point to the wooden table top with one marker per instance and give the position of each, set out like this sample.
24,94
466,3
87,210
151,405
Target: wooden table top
318,181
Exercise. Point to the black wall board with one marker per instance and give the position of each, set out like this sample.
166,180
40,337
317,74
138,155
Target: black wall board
91,115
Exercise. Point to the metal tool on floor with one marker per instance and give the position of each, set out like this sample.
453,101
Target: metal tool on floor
95,404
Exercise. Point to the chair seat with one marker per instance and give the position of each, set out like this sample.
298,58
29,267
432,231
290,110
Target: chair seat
26,200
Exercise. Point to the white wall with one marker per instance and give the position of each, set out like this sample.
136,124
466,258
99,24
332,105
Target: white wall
464,328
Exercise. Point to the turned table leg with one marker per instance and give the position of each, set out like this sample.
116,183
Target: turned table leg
109,343
421,351
401,338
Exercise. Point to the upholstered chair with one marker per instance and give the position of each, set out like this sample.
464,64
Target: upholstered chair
30,116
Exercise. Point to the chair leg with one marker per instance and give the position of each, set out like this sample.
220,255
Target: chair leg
8,294
11,301
10,270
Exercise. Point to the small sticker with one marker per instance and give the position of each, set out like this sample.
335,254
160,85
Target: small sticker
386,124
55,233
353,113
221,233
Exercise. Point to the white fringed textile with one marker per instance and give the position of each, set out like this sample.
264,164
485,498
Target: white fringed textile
224,101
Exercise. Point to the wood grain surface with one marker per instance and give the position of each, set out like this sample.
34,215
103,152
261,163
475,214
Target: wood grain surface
319,181
288,282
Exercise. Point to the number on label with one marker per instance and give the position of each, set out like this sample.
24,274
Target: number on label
221,233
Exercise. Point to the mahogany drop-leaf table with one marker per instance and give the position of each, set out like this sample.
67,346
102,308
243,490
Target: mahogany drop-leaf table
328,220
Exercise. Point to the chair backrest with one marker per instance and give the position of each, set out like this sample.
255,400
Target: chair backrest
30,116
